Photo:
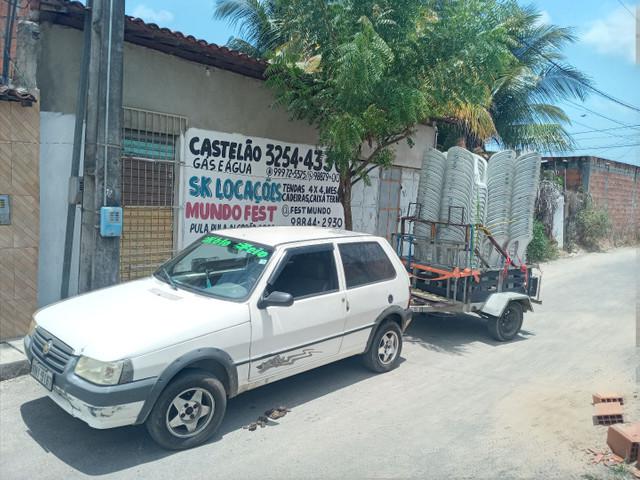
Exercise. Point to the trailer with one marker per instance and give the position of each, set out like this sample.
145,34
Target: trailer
501,295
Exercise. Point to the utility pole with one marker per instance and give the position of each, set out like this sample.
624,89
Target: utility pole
100,256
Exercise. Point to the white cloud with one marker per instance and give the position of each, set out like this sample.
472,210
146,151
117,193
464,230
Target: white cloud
161,17
545,18
613,35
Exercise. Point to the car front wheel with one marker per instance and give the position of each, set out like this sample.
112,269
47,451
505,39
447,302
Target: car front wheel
188,411
384,352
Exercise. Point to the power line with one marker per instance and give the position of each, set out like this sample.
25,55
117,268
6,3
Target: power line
598,114
627,137
606,147
607,133
626,8
603,129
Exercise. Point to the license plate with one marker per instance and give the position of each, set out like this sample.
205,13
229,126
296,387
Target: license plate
40,373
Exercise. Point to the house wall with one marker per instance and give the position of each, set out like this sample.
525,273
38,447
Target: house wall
614,187
211,99
19,177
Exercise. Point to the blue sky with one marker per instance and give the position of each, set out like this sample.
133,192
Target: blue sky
605,51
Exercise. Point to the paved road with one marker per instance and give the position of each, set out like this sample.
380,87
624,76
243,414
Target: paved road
460,405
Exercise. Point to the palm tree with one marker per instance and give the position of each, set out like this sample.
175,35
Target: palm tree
257,27
523,107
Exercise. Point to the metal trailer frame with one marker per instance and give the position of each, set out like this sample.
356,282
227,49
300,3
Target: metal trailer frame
485,291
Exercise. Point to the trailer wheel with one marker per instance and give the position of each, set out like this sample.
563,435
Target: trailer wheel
507,325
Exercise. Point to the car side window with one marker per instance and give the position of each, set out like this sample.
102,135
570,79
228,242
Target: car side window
365,262
307,273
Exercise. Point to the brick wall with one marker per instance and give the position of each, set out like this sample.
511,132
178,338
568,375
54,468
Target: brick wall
25,7
614,187
570,169
19,177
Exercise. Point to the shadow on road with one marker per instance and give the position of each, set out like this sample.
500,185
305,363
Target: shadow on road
99,452
451,333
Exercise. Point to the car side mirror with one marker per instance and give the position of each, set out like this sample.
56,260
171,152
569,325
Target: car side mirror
276,299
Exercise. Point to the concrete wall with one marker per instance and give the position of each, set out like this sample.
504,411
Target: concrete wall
56,145
212,99
19,136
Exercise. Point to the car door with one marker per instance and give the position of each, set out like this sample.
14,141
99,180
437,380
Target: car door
371,287
288,339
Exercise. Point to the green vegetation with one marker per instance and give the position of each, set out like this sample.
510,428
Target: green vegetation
366,72
541,248
592,226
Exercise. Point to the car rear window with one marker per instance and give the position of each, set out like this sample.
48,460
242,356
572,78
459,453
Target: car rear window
365,262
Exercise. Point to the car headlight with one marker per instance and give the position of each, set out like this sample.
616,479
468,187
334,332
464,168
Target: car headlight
104,373
32,327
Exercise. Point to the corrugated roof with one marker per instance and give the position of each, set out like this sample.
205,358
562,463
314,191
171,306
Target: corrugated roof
16,95
150,35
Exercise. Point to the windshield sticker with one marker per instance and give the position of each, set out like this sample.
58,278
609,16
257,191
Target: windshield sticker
223,242
242,246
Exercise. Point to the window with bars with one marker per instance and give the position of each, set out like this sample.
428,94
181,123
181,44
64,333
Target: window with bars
149,190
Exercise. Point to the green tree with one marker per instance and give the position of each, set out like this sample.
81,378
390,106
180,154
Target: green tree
365,72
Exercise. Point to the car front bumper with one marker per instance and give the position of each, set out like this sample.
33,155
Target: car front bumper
96,417
98,406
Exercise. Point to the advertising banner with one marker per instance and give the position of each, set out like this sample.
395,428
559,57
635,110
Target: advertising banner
232,181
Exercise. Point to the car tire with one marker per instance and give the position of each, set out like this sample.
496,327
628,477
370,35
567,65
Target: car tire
506,326
188,411
384,352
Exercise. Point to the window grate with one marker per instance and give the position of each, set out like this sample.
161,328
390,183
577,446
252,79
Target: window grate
150,162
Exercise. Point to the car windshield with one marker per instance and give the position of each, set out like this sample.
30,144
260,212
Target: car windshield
219,266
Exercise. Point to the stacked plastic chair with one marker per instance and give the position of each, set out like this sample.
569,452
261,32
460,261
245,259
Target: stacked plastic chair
430,186
525,187
457,204
500,181
479,207
463,188
480,191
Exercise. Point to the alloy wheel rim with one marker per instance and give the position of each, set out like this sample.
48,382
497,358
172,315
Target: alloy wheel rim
190,412
388,347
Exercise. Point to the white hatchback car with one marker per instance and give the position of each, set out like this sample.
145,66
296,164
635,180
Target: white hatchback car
235,310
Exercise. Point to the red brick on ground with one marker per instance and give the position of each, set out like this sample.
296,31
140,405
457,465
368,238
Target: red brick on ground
608,413
607,397
624,440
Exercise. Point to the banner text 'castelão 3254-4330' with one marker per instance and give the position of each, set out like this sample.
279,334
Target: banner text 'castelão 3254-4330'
232,181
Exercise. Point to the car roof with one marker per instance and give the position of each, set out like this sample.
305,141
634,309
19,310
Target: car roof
274,236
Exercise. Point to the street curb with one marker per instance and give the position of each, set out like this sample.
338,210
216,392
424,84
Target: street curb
13,369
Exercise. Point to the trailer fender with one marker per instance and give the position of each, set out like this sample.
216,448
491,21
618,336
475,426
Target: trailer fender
497,302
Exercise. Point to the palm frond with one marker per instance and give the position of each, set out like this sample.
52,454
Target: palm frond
543,137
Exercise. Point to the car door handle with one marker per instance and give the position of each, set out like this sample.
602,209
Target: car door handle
346,302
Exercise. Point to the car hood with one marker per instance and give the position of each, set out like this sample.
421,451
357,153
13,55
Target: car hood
137,317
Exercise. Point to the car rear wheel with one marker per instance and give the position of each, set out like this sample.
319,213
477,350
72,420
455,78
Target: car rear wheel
384,352
188,411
